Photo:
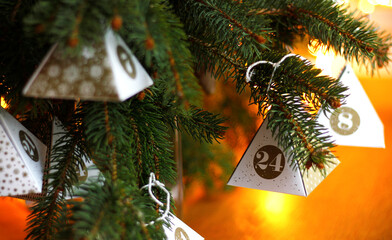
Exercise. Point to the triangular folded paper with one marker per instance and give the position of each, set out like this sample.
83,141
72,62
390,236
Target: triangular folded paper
178,230
356,123
87,172
106,72
265,166
22,158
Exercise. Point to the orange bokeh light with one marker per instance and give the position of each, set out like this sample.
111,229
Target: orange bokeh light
12,218
3,103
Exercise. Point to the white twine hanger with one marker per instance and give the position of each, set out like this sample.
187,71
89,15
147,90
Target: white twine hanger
153,182
249,71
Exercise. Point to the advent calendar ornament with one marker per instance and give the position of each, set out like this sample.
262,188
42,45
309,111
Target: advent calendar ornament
87,172
265,166
22,158
356,123
107,72
177,230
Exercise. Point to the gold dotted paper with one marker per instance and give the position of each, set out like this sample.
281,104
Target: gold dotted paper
313,177
14,176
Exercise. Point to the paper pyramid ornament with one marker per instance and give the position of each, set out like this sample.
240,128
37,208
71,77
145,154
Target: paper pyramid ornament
22,158
356,123
265,166
87,172
107,72
174,228
178,230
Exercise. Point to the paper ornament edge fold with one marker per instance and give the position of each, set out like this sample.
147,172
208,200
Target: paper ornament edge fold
38,71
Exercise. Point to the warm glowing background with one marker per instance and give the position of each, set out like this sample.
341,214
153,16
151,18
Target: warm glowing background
353,202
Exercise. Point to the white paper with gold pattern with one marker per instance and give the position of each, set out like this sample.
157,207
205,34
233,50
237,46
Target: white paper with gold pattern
88,172
22,158
356,123
178,230
106,72
265,166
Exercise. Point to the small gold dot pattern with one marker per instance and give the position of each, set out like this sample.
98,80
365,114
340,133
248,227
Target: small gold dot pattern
14,178
313,177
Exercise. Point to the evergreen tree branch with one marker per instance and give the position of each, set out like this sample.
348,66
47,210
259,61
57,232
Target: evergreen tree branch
295,77
298,11
303,137
208,48
151,137
236,23
98,218
111,144
179,89
158,38
218,32
291,120
138,148
45,220
354,38
201,124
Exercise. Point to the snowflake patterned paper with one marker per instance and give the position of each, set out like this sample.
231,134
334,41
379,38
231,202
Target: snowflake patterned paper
106,72
22,158
265,166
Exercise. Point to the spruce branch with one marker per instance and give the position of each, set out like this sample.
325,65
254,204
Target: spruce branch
114,211
295,77
302,132
208,49
201,124
297,12
169,56
236,23
111,144
176,76
107,124
291,121
151,134
98,218
353,37
224,32
138,148
45,219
